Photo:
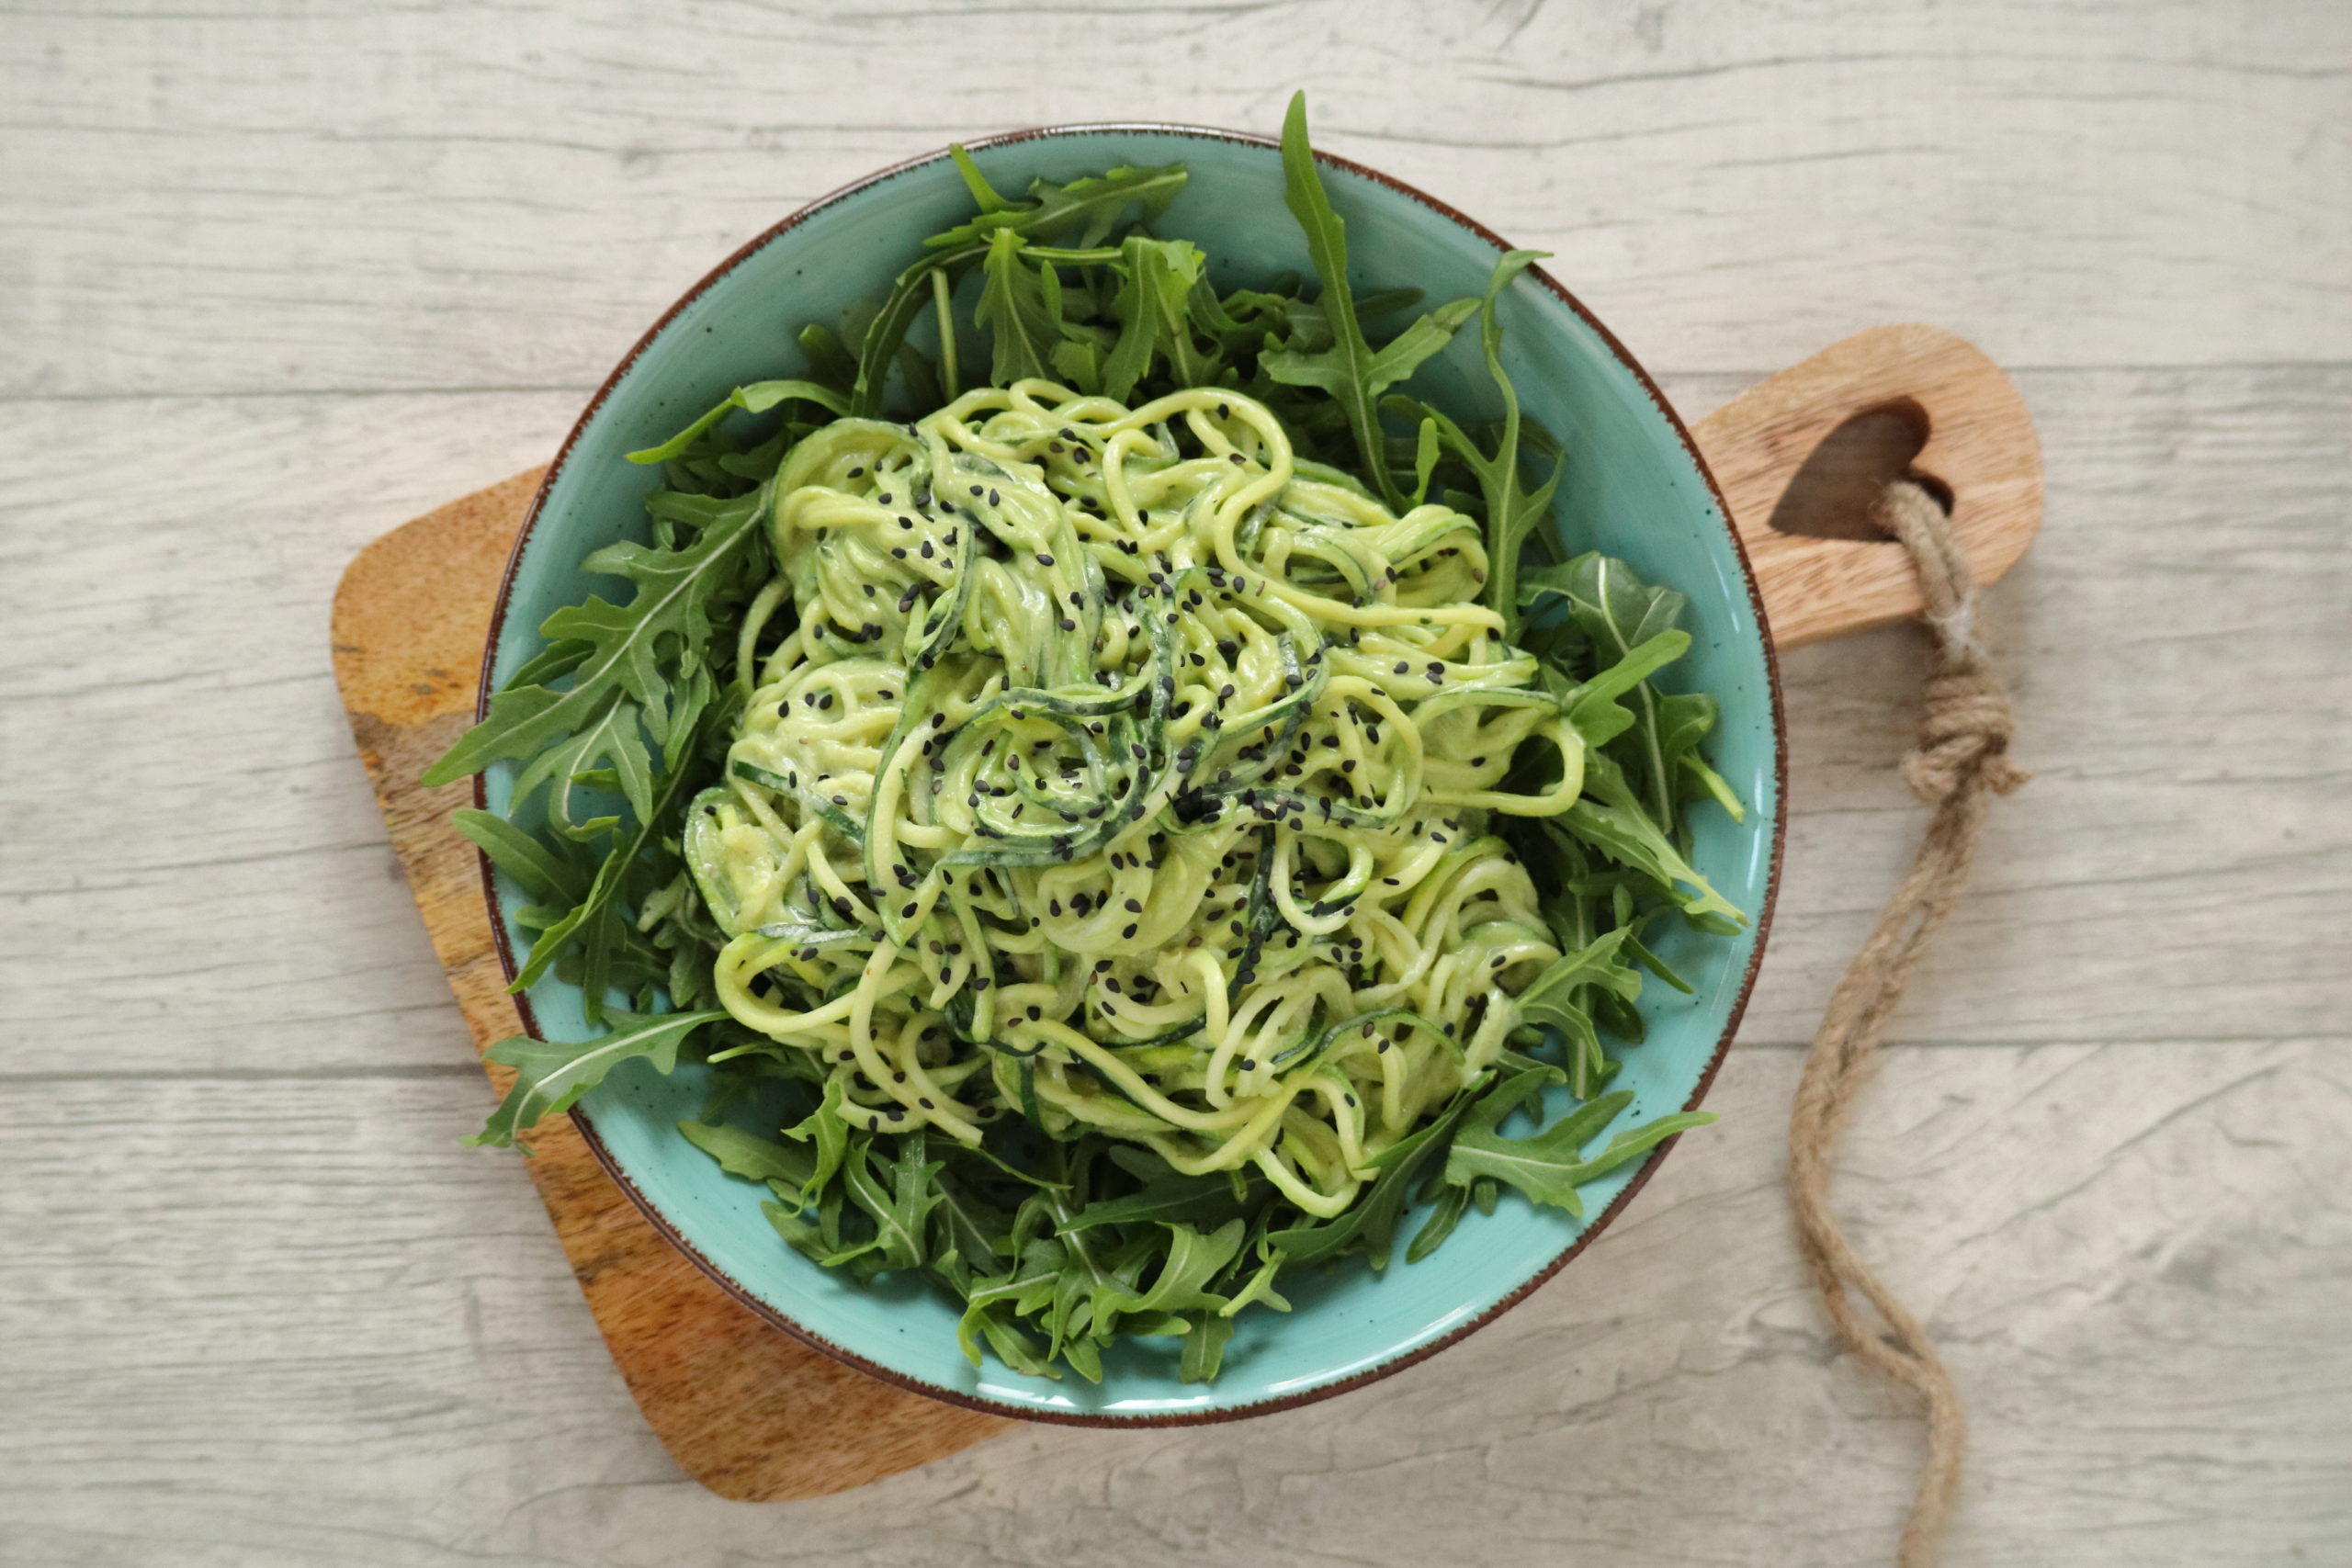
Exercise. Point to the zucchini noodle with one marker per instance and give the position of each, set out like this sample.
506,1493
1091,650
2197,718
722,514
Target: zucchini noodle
1121,770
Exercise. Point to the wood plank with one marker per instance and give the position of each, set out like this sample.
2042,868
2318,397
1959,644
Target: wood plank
258,1309
264,1324
244,198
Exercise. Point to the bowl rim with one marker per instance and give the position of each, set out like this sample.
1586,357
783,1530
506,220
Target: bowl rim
1392,1364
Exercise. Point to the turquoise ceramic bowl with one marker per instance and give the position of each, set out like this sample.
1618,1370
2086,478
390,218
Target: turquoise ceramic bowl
1635,487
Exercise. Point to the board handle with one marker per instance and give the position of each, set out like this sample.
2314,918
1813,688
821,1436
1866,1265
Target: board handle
1980,451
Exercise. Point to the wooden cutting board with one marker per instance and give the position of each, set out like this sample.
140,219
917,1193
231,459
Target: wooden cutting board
749,1411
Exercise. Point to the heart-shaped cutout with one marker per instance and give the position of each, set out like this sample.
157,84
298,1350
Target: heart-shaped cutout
1835,494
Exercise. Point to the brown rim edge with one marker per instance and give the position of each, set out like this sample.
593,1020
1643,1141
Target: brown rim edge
1459,1332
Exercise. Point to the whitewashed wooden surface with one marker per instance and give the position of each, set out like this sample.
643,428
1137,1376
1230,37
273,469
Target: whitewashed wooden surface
273,276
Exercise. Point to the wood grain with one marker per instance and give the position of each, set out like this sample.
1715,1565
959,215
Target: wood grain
515,191
2135,1255
1980,447
750,1411
273,278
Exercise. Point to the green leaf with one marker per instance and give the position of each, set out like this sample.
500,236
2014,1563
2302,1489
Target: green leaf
994,1302
758,398
1618,825
829,1130
551,1074
1193,1261
749,1156
1371,1222
829,365
1081,212
1443,1217
1260,1286
878,347
1181,1198
1621,613
898,1199
550,873
1550,1165
968,1226
1684,719
1154,310
1595,964
1204,1342
1513,511
1012,306
1596,708
1349,370
1425,456
984,195
595,922
639,650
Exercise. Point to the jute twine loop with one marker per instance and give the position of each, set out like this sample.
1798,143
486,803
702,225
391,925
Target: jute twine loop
1962,760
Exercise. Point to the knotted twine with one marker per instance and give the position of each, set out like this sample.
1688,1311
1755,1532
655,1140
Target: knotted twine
1961,762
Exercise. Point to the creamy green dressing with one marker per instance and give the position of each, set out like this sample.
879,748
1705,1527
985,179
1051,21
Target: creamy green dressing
1124,772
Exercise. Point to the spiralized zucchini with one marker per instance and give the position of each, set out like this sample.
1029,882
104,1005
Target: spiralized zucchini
1124,771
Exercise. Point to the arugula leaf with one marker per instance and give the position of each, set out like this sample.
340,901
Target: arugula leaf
1012,306
1349,370
1617,824
1371,1222
984,195
1594,708
1621,617
638,652
1181,1198
968,1227
1594,964
1154,307
1205,1341
544,871
1193,1261
1513,512
758,398
830,366
1685,718
900,1206
1550,1165
991,1308
829,1130
1259,1287
1086,208
596,922
551,1074
747,1154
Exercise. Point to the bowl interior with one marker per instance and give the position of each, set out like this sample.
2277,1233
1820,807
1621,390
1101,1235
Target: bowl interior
1633,488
